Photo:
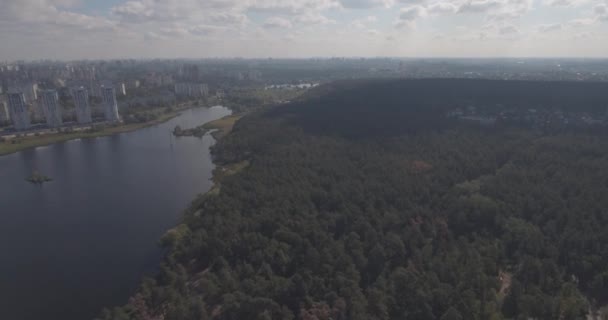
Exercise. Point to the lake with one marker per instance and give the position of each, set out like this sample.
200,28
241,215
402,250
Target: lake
83,241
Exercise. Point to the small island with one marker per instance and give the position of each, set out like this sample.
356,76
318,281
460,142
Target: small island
38,178
198,132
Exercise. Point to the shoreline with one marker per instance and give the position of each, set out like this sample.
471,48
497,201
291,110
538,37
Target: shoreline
219,128
27,143
216,128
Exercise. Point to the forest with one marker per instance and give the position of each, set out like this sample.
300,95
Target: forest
361,200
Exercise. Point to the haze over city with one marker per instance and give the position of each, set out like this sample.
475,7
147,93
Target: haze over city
78,29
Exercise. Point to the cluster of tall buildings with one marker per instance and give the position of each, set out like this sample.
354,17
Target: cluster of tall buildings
196,90
17,109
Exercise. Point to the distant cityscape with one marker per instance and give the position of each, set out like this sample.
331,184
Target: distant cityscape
47,95
56,95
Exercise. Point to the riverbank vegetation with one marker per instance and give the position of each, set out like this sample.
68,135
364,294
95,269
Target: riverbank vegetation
218,128
131,123
223,126
245,99
363,201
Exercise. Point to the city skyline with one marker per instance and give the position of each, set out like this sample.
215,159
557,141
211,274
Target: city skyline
76,29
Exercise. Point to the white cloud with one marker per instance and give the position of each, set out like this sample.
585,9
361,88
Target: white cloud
412,13
565,3
558,28
583,35
314,25
544,28
497,31
290,6
363,22
601,11
479,6
514,9
577,23
205,30
408,16
494,10
508,30
173,10
313,18
442,8
365,4
412,2
278,22
49,16
228,18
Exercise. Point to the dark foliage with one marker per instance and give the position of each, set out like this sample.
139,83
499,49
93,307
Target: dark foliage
363,203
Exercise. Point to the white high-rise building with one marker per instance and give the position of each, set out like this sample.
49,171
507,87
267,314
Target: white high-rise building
19,112
50,105
4,115
182,89
191,89
122,88
81,101
29,90
36,110
110,105
199,90
95,89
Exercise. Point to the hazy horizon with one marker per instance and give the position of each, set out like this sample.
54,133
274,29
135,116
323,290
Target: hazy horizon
404,58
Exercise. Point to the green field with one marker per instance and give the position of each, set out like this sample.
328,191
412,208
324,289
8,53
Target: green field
223,125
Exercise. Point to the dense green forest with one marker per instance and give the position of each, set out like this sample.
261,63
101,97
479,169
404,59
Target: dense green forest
362,201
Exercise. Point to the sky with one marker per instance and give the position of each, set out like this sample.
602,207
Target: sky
109,29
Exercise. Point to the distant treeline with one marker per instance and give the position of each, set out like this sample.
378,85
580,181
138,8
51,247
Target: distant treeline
363,107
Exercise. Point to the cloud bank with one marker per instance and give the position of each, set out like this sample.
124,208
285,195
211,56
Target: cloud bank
71,29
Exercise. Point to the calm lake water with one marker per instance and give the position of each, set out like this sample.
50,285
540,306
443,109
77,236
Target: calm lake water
82,242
